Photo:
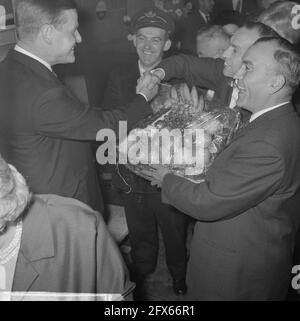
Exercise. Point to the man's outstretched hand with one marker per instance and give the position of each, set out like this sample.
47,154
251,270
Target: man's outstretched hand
156,175
148,85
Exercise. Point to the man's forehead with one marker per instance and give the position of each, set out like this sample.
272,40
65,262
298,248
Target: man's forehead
260,52
70,16
152,31
70,13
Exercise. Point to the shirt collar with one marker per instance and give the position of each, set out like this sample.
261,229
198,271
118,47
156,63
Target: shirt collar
204,15
31,55
141,69
261,112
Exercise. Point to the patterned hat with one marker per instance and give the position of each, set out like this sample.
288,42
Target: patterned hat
152,17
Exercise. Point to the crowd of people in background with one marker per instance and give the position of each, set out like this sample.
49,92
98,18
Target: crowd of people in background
244,55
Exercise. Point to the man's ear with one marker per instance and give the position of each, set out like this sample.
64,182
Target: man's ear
167,45
46,33
278,82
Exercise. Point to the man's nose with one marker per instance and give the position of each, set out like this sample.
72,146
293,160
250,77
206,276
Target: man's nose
147,44
227,53
78,37
241,72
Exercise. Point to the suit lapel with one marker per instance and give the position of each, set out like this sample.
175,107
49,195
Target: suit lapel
36,244
134,74
128,81
25,274
199,20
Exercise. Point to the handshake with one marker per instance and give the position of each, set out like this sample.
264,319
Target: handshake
147,85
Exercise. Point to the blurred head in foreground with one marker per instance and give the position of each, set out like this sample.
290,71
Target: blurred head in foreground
212,41
282,17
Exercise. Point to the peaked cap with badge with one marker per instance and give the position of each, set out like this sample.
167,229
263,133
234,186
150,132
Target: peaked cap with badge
152,17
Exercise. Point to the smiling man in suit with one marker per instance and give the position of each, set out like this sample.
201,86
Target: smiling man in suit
143,207
248,206
216,74
44,130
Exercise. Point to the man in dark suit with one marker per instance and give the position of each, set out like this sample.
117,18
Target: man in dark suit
44,129
199,17
248,207
143,207
281,16
214,74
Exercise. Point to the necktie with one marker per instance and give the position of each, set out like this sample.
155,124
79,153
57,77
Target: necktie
207,18
243,123
234,97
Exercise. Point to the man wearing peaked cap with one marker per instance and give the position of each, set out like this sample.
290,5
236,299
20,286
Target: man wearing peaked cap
151,28
152,17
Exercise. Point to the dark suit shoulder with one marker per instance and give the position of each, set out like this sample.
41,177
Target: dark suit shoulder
69,208
126,70
33,78
69,215
279,128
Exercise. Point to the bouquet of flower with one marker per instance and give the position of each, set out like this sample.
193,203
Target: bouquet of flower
180,135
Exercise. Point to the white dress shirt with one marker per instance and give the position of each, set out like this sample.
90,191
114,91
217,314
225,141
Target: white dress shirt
31,55
141,69
261,112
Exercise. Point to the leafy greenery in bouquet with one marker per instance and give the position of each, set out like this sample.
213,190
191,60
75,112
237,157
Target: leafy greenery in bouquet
198,135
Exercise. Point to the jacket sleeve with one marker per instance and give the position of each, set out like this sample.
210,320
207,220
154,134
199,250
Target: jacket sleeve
253,174
202,72
112,96
58,114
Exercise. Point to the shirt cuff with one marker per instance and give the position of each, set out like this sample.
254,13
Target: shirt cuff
160,70
142,94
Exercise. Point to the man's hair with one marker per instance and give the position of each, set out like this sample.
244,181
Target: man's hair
14,193
288,60
31,15
263,30
279,17
212,32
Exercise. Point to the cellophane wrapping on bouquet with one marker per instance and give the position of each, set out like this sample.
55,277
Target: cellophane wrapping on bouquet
176,107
